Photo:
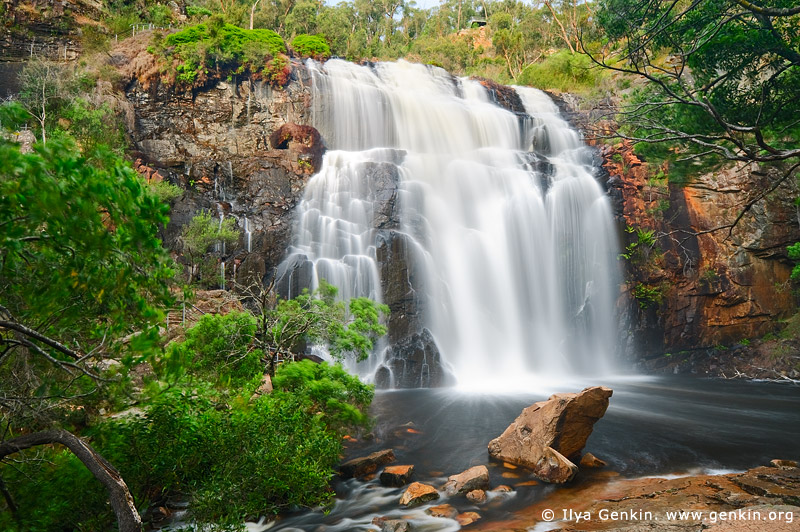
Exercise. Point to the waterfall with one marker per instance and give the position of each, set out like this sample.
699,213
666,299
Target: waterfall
509,234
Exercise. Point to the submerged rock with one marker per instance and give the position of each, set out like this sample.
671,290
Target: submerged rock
467,518
443,510
549,434
366,465
418,493
476,496
474,478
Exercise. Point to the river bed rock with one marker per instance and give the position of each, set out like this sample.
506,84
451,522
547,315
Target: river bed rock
642,504
548,434
474,478
418,493
590,461
397,476
366,465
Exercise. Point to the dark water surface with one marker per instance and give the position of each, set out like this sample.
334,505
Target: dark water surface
653,427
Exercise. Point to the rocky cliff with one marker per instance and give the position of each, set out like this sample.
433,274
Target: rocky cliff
692,281
215,144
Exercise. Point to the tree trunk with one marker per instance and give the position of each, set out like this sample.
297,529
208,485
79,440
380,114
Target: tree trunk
253,13
564,35
128,519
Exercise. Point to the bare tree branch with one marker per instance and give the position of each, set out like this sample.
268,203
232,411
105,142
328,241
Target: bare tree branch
119,495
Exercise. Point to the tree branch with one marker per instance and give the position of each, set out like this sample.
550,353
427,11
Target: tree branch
769,11
119,495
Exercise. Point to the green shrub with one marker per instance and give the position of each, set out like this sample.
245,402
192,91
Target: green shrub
219,349
313,46
166,192
240,458
215,49
794,254
198,12
647,295
563,71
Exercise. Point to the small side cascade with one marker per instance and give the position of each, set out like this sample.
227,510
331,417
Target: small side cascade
248,235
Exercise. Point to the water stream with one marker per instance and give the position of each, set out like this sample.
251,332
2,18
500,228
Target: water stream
655,426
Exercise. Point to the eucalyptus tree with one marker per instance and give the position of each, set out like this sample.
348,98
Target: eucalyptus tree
721,79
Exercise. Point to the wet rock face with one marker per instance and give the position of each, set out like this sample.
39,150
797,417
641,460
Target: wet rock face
414,362
548,435
215,144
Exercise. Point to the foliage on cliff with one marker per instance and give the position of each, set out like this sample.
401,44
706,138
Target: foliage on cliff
215,50
720,77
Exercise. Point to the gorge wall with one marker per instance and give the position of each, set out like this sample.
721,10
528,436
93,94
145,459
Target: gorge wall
701,286
700,289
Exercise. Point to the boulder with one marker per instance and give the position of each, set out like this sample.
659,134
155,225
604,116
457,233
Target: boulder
590,461
502,488
397,476
467,518
783,464
418,493
443,510
474,478
548,435
366,465
476,496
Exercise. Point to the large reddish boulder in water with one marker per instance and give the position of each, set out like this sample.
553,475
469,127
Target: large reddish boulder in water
548,435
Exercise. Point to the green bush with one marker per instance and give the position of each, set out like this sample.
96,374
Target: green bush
219,349
166,192
313,46
198,11
240,458
215,49
562,71
794,254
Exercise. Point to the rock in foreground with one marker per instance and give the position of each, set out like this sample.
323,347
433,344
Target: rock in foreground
418,493
474,478
549,434
397,476
366,465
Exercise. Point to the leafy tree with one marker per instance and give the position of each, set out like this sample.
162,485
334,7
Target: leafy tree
219,348
318,318
240,458
311,46
722,75
82,281
201,233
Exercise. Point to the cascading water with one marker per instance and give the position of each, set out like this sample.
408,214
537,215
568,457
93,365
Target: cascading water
507,226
